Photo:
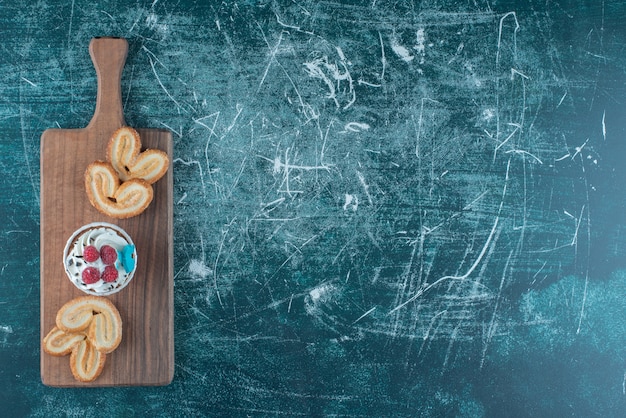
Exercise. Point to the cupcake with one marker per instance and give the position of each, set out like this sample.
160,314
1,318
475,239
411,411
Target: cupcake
100,259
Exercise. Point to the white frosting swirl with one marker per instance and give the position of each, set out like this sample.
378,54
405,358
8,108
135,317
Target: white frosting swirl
98,235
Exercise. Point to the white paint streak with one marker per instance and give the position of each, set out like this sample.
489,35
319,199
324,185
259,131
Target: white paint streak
317,296
364,315
194,162
333,74
198,269
420,46
366,187
401,51
355,127
28,81
351,202
183,197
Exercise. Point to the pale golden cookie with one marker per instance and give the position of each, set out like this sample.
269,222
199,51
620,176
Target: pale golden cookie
122,187
77,314
116,200
124,153
86,362
87,328
60,343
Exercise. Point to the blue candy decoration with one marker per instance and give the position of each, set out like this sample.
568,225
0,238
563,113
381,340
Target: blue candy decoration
126,255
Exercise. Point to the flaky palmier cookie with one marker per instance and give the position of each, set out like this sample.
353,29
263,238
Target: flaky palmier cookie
87,328
86,362
79,314
60,343
105,331
108,196
124,153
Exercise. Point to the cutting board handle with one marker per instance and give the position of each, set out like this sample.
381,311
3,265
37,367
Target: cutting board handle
108,56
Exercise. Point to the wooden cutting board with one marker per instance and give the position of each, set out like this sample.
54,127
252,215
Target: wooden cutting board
146,353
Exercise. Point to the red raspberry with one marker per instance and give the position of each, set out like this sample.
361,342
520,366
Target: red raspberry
90,254
109,274
108,254
91,275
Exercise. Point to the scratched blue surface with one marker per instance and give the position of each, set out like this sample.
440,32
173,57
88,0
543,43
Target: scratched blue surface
381,208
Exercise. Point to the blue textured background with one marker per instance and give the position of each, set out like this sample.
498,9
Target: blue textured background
381,208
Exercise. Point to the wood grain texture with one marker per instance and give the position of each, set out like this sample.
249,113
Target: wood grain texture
146,354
